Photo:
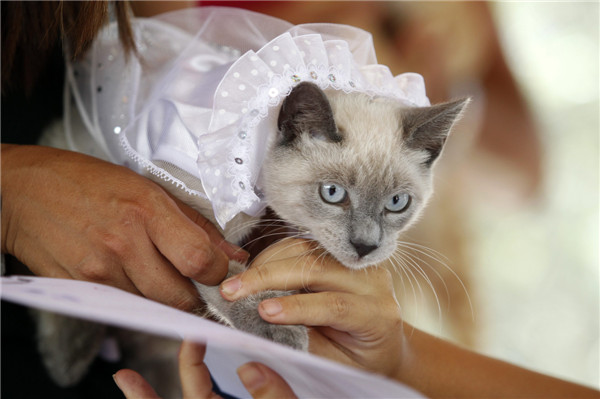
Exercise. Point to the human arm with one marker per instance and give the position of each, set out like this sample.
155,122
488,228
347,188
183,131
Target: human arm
439,369
356,320
69,215
469,376
259,380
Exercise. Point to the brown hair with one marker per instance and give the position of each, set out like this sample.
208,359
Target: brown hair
32,30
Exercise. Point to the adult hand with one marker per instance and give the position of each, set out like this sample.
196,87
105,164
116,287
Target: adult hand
355,316
259,380
69,215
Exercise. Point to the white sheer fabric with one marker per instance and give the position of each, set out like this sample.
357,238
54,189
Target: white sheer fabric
203,95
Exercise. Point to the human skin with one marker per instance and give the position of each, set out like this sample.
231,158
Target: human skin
259,380
264,383
354,316
68,215
353,322
356,320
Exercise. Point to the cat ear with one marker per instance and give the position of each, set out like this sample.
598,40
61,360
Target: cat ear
306,110
427,128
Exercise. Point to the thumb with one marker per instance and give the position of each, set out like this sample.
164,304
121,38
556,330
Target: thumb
233,251
264,383
133,385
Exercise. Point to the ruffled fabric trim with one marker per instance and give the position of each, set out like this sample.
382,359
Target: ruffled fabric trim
212,111
256,85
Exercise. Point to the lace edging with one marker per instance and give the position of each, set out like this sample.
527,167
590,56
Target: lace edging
155,170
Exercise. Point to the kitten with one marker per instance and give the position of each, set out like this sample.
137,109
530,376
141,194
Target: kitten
347,169
350,170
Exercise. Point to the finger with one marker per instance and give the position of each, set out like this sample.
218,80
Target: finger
264,383
133,385
165,284
290,264
341,311
137,266
298,266
186,245
233,251
195,377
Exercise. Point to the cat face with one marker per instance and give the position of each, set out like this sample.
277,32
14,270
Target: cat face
352,170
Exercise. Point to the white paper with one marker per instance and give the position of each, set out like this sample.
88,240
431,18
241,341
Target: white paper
308,375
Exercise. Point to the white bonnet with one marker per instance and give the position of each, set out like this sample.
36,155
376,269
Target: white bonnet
205,92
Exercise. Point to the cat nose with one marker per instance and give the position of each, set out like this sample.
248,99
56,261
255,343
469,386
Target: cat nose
363,249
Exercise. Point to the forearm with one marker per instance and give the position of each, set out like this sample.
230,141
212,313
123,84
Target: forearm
439,369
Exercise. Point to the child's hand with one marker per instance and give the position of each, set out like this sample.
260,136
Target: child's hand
259,380
355,316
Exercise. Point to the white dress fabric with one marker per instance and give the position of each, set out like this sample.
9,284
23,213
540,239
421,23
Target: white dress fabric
203,95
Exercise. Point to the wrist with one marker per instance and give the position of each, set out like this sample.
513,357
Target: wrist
407,354
422,360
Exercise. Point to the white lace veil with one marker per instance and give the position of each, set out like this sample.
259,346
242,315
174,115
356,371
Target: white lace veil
204,93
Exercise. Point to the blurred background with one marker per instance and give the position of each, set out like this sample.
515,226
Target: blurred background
505,260
512,233
536,263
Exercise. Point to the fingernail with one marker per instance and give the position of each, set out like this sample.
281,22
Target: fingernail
252,377
114,376
240,253
271,307
231,286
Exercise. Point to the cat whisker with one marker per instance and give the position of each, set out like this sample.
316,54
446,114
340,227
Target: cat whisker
427,252
403,270
265,224
297,259
252,224
303,265
320,257
415,264
398,269
405,266
414,260
262,237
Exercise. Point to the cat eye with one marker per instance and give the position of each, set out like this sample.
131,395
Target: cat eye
398,203
332,193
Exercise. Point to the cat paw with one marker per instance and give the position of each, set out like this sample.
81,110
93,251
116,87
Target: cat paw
244,316
294,336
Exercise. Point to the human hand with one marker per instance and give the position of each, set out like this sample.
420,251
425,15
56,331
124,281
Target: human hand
259,380
354,314
69,215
